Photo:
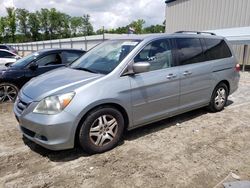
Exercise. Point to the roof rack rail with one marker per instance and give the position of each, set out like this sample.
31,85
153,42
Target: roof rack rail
197,32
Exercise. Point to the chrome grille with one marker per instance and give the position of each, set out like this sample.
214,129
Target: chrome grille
21,106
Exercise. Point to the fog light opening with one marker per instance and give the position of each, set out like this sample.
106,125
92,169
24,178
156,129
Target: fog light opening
41,137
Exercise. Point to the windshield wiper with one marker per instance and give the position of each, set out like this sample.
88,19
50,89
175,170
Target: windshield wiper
85,69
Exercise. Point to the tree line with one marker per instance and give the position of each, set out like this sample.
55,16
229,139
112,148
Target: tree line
20,25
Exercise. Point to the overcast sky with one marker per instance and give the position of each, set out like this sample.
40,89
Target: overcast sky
108,13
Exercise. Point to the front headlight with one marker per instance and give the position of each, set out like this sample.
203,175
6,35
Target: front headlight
54,104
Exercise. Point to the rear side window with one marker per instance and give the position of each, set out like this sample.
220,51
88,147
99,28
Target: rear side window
216,49
189,51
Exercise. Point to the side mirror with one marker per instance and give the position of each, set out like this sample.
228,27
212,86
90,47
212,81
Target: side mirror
141,67
33,66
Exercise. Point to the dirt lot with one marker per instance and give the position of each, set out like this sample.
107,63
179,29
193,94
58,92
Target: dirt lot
196,149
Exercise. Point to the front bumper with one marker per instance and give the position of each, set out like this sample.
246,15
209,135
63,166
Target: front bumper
54,132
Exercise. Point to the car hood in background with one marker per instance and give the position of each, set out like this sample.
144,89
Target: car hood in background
2,68
60,80
9,68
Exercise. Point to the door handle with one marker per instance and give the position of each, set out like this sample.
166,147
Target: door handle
170,76
187,73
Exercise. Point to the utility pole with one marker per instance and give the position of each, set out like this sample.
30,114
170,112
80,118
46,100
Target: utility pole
103,37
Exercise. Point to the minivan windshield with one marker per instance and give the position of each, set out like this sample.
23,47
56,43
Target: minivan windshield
25,60
105,57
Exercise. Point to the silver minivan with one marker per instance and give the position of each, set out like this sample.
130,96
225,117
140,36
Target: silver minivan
123,84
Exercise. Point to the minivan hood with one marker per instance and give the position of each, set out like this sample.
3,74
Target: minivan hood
60,80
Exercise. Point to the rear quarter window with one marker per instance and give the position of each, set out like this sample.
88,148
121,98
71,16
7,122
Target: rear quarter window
216,49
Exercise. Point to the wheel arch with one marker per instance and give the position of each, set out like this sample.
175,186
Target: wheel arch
9,82
119,107
226,83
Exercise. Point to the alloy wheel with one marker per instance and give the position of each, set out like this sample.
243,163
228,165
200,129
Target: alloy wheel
7,93
220,97
103,130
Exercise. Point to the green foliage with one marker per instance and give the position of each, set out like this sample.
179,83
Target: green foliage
3,24
53,21
119,30
138,26
101,31
11,23
34,26
155,29
43,17
65,31
22,17
22,26
2,28
76,25
87,28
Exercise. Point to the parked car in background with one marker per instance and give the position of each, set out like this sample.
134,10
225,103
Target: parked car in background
123,84
9,48
8,57
15,75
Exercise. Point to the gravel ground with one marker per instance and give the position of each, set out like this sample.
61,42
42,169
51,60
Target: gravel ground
196,149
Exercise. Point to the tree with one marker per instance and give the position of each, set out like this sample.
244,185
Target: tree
99,31
11,22
53,24
122,30
22,16
53,21
34,26
138,26
3,24
76,24
65,25
155,29
87,28
43,16
58,24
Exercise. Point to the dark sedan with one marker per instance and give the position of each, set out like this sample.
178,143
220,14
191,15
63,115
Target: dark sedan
15,75
9,48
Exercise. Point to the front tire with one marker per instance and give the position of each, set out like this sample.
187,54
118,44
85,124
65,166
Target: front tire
219,98
8,92
101,130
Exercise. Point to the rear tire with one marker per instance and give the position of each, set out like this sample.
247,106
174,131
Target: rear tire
219,98
8,92
102,130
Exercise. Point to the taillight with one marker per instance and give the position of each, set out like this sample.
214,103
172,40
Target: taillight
237,67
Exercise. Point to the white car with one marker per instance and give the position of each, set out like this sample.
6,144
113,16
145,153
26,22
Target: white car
7,57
